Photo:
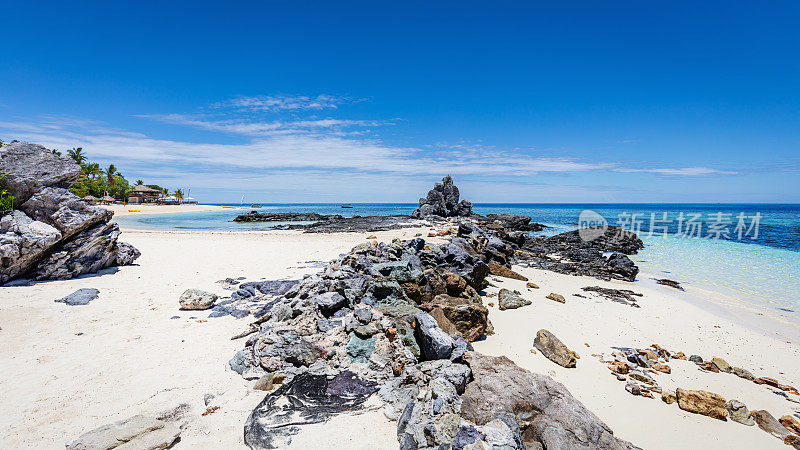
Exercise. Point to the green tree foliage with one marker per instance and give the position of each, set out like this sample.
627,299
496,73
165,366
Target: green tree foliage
178,194
96,181
6,199
77,155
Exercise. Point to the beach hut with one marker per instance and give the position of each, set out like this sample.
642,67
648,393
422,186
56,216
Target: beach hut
143,194
107,200
189,200
90,199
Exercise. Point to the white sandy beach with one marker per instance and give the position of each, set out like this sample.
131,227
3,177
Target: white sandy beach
149,208
69,369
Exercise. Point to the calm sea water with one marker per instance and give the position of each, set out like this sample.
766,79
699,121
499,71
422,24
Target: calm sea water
750,252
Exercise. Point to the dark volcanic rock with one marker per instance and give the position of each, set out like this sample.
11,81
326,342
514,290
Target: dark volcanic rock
443,201
305,400
255,216
355,224
510,222
54,234
624,296
670,283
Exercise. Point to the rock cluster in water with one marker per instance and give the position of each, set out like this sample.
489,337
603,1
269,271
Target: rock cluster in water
52,234
443,201
396,320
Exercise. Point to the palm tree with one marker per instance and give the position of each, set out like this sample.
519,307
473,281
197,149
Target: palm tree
56,152
178,194
77,155
93,170
110,171
139,182
164,191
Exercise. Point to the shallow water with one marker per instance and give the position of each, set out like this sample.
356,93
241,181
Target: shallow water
760,272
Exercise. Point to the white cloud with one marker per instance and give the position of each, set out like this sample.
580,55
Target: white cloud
284,102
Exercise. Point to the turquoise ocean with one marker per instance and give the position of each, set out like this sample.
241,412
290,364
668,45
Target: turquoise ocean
748,252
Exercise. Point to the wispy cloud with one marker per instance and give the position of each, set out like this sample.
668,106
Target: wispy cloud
262,128
680,172
285,102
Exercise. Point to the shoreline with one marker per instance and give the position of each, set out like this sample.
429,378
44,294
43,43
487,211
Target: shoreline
151,209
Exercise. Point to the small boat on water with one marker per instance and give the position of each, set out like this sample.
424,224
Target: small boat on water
347,206
256,205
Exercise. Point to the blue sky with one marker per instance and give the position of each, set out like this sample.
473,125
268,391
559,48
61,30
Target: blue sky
367,101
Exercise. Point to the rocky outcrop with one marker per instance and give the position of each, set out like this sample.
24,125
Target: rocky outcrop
399,315
53,234
443,201
548,414
255,216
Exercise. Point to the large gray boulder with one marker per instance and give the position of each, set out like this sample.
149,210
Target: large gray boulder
544,408
53,234
31,167
22,242
443,201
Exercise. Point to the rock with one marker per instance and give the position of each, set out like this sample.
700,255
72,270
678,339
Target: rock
702,402
662,368
443,201
80,297
330,302
454,283
697,359
54,234
708,366
556,297
742,373
635,389
255,216
307,399
553,349
530,285
197,299
268,381
31,167
510,300
668,397
768,423
503,271
365,331
670,283
642,377
774,383
624,296
679,355
790,423
619,367
721,364
463,318
137,432
359,349
738,412
543,407
792,440
433,342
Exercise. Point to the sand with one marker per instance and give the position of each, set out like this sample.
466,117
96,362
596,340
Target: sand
149,208
68,369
